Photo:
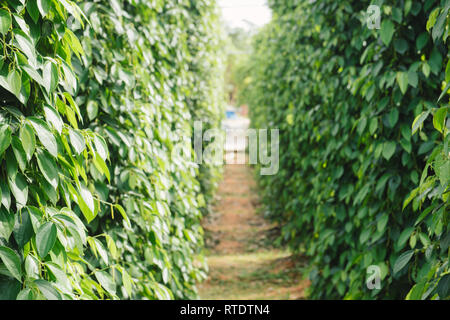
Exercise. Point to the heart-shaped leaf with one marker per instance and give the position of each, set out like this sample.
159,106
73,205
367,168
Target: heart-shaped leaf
45,238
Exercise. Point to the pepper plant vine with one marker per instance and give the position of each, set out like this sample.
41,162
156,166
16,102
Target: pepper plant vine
360,185
92,100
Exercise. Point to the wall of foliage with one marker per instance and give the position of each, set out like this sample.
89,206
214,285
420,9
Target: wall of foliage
94,98
364,159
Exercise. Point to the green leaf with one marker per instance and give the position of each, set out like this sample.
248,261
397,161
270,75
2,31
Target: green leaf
444,92
14,82
70,80
61,277
93,246
36,217
422,41
25,294
111,246
11,165
5,138
447,72
45,136
77,141
432,19
6,224
33,74
424,239
373,126
92,109
33,10
440,25
19,153
75,43
442,169
101,251
435,61
48,168
426,69
403,81
406,145
101,166
382,222
401,45
393,117
53,118
19,188
439,119
423,215
43,6
387,31
416,292
122,211
162,292
404,236
74,109
25,44
363,237
413,78
31,267
12,262
443,287
28,140
389,149
45,238
47,290
86,203
5,21
402,261
50,76
410,197
106,281
23,229
101,147
127,282
6,196
419,120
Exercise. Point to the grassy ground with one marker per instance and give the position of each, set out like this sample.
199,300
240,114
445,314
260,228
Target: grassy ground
243,263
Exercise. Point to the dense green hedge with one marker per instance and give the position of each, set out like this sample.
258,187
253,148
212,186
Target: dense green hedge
352,104
95,96
205,98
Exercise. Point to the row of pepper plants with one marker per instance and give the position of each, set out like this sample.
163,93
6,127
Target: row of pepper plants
95,96
362,110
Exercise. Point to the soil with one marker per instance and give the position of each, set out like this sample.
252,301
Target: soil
243,263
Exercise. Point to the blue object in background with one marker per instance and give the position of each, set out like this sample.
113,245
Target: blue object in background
231,115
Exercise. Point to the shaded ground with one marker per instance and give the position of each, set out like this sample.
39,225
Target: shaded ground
243,264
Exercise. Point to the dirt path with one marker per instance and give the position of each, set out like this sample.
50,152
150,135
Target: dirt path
243,265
